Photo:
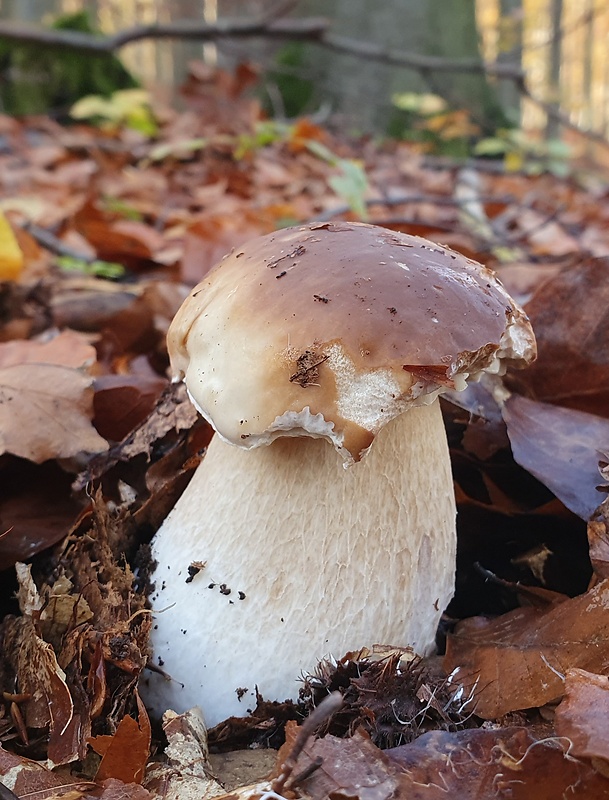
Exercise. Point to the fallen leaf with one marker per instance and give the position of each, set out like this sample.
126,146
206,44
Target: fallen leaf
122,402
37,508
27,778
520,659
350,768
560,447
126,752
45,412
598,540
484,764
67,349
582,717
40,676
570,314
173,411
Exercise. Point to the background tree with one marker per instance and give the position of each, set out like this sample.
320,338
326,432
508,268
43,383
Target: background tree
361,91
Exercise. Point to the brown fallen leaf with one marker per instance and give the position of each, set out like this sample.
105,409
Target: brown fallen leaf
39,675
350,768
519,660
27,778
560,447
45,412
172,412
122,402
582,717
68,349
126,752
36,509
484,764
569,314
598,540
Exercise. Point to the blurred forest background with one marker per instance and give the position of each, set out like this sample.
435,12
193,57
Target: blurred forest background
563,46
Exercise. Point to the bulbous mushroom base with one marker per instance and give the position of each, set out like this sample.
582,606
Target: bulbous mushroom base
304,559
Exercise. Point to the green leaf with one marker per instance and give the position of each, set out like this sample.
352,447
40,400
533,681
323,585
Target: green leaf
491,147
99,269
351,184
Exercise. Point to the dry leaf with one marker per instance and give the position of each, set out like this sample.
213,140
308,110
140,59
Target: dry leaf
582,717
125,754
37,509
68,349
560,447
520,659
351,768
598,540
45,412
491,764
39,675
569,314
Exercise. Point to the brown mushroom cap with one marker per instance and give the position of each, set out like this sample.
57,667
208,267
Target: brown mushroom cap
332,329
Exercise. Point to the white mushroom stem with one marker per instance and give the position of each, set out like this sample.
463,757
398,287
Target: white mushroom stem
319,560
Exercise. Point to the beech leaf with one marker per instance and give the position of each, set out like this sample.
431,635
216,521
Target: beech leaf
582,716
45,412
520,659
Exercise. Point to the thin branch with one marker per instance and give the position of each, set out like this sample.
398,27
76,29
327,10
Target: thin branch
311,29
322,713
416,61
54,245
399,200
560,117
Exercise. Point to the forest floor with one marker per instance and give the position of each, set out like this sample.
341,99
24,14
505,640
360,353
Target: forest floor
97,445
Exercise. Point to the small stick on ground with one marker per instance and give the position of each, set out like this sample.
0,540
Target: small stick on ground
328,706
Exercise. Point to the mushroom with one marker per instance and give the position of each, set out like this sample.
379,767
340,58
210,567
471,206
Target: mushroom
309,349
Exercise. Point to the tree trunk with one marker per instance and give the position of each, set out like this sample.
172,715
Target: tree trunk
552,126
361,92
510,53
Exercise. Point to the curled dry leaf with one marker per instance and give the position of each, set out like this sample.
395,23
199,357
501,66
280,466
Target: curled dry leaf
582,717
560,447
520,659
172,412
40,676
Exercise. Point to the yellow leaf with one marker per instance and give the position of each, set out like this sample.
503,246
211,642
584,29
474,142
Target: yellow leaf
11,257
513,161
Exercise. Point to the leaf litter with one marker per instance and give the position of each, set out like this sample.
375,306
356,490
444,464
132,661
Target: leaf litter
84,372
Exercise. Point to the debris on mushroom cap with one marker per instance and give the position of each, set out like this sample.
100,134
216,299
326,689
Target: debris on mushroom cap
333,329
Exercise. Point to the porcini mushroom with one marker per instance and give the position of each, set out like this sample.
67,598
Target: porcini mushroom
308,349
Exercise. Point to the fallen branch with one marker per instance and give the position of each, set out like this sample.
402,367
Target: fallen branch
310,29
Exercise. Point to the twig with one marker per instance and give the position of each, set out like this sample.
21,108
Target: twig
54,245
328,706
560,117
399,200
309,29
417,61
